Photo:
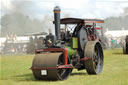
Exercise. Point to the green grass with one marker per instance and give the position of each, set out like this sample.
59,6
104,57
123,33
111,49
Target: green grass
14,70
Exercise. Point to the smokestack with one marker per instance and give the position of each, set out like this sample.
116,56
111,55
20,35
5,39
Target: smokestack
57,21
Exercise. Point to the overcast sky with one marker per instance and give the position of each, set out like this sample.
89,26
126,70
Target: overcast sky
74,8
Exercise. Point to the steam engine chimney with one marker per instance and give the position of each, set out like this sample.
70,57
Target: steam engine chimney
57,21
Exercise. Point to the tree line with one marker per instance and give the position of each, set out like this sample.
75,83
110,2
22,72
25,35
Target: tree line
20,24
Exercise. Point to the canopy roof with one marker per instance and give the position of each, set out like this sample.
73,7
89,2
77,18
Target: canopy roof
79,20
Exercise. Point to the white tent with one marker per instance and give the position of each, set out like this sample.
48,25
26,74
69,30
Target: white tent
20,39
116,33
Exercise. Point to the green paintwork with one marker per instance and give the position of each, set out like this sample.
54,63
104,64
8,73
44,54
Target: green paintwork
71,51
74,42
72,46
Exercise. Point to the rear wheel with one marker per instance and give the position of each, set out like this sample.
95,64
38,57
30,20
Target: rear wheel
93,50
124,47
127,48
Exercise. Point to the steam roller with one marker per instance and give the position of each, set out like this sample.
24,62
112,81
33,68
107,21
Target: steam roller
75,45
125,45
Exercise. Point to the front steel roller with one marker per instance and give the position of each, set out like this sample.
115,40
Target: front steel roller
44,67
94,52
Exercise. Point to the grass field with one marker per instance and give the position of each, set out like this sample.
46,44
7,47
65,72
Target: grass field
14,70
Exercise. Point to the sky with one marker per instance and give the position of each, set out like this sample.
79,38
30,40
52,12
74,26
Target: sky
73,8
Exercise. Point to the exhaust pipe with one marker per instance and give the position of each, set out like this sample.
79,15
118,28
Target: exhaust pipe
57,21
